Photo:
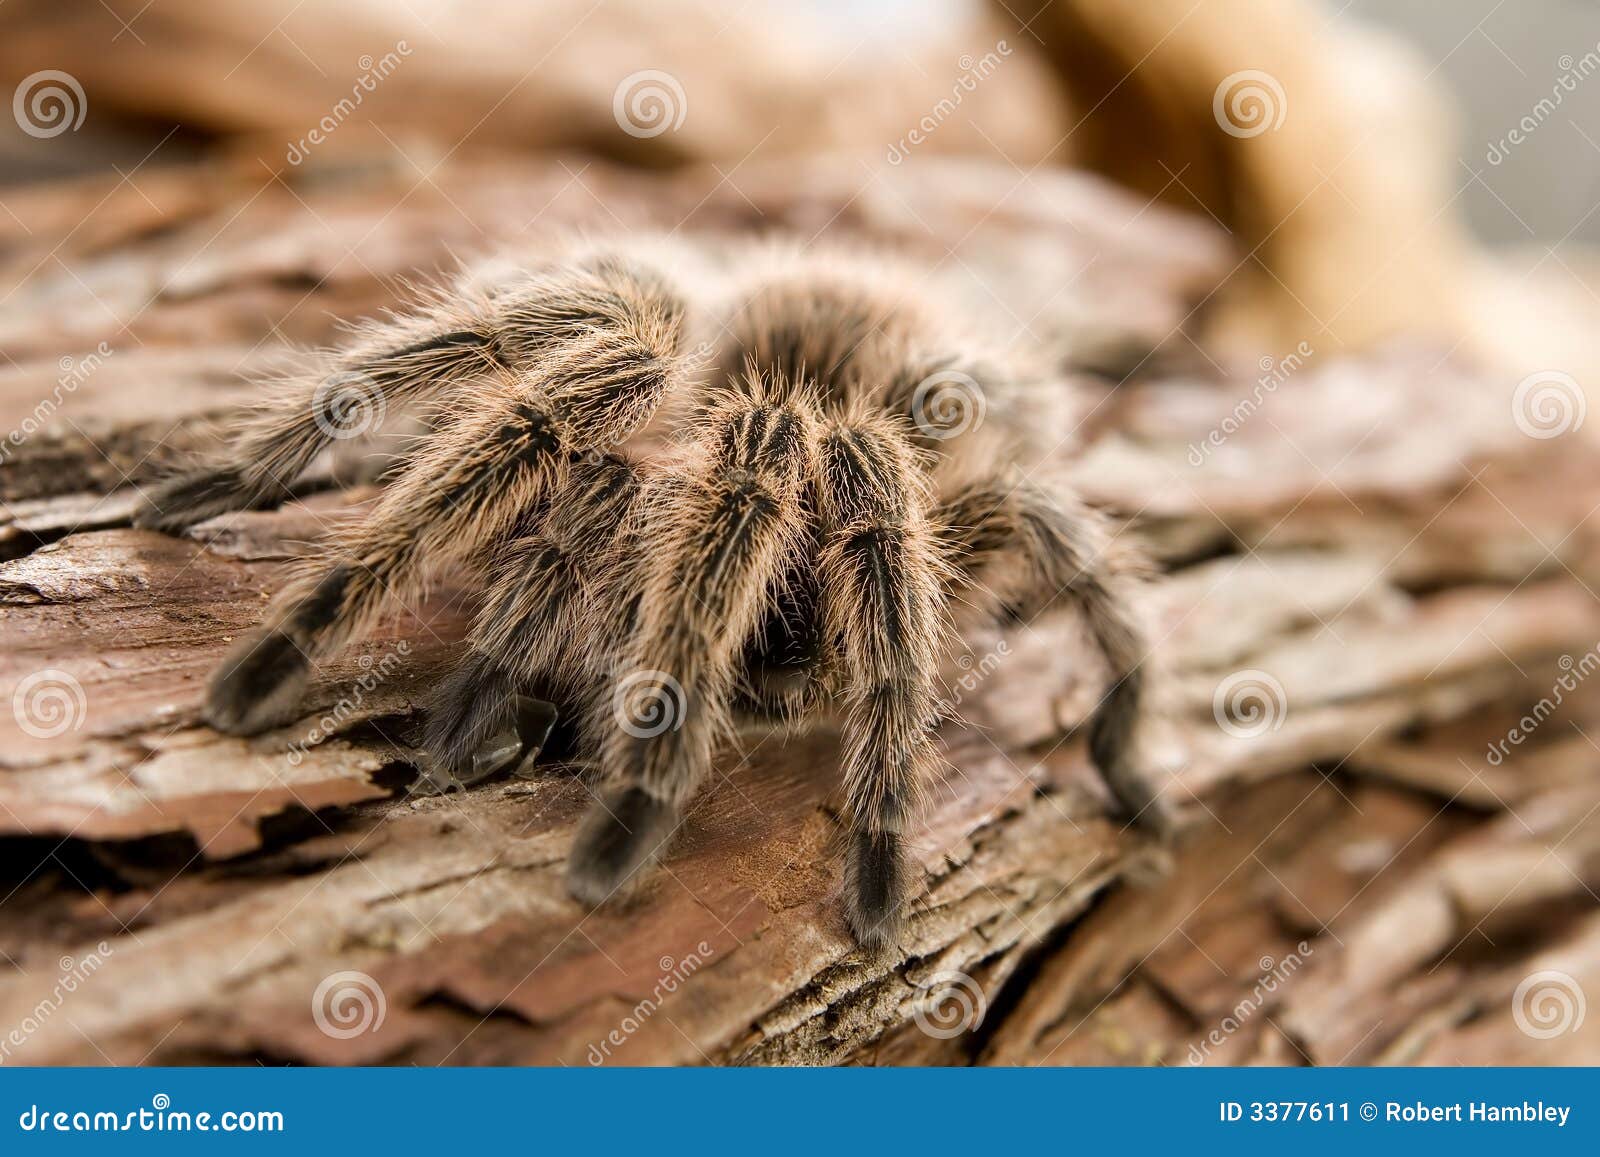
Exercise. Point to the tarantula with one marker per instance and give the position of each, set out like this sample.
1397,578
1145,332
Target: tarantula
695,480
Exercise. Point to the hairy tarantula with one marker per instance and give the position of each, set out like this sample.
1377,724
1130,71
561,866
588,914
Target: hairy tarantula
696,479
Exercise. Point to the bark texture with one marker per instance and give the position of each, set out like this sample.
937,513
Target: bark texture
1370,574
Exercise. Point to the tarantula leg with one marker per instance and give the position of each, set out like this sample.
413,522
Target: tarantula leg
467,487
538,614
712,549
453,339
1027,547
291,430
883,598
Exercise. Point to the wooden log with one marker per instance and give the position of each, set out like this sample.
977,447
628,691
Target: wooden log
1364,585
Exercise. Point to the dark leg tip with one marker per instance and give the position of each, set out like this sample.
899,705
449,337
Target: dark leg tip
177,504
470,717
1114,747
625,830
258,685
875,889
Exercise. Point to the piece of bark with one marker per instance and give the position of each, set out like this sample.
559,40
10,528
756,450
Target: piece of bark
230,884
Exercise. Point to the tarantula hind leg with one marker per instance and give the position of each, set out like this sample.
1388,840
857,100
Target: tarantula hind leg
1036,545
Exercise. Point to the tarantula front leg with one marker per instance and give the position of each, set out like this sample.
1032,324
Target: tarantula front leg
1020,547
712,545
540,614
883,601
468,487
604,300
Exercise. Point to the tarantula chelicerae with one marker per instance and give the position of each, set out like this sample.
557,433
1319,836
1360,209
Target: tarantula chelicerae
694,480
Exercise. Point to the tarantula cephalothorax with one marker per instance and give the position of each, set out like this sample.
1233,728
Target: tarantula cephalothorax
694,480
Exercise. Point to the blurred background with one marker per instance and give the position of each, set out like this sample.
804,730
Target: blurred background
1399,137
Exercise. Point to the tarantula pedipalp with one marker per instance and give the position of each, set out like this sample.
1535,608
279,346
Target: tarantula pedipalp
694,481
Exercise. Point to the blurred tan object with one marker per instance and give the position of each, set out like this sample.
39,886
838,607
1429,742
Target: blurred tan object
648,81
1320,144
